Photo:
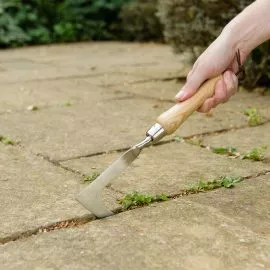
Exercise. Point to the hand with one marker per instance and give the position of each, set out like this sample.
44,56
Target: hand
218,58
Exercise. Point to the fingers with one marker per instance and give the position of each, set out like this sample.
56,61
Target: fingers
224,89
194,80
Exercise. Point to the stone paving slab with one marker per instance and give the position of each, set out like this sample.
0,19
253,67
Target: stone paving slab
174,235
84,128
54,93
166,90
89,59
35,193
169,168
243,140
248,203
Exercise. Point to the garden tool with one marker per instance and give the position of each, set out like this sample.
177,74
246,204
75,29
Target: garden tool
166,124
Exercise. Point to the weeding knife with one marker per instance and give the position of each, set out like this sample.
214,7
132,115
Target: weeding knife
166,124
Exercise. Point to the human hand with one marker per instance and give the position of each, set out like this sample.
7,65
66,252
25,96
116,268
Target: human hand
218,58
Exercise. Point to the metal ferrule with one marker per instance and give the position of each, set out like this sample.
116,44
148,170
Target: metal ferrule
154,134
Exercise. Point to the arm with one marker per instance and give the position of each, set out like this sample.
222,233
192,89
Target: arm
245,32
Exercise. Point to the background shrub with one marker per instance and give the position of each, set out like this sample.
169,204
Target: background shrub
191,25
140,22
43,21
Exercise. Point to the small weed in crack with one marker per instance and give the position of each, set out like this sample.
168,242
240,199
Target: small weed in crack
224,181
6,140
256,154
91,177
229,151
68,104
136,199
253,116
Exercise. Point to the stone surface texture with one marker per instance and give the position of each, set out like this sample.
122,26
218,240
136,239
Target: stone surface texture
93,101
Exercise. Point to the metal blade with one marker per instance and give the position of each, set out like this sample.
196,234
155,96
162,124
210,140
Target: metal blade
90,197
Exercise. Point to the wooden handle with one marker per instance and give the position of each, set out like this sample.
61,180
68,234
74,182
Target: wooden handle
176,115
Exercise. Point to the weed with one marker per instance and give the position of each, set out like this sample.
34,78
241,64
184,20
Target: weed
256,154
137,199
230,151
91,177
6,140
224,181
68,104
253,116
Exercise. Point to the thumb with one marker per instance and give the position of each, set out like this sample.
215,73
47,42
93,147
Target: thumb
195,79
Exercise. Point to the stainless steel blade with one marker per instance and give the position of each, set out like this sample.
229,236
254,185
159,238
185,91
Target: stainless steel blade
90,197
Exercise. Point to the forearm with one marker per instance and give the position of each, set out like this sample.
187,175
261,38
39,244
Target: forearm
251,27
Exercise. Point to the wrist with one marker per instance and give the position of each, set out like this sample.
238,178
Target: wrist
250,28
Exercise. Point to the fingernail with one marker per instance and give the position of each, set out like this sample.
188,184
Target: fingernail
181,95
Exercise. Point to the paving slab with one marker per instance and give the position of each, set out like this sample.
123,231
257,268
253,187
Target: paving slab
248,203
243,140
81,129
88,59
174,235
55,93
166,90
36,193
168,168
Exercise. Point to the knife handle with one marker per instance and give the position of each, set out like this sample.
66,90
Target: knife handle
172,119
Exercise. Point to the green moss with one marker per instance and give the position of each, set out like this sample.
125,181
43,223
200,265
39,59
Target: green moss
253,116
135,199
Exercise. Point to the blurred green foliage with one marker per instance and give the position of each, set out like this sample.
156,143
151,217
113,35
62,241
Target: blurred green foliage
140,21
45,21
193,24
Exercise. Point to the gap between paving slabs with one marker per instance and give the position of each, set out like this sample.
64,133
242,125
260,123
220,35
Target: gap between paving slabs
70,223
82,220
79,221
85,219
